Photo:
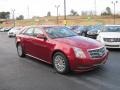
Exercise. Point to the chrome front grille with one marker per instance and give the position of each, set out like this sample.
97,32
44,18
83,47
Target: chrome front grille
97,53
111,39
112,45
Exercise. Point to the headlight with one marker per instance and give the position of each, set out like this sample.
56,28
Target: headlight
91,32
100,38
79,53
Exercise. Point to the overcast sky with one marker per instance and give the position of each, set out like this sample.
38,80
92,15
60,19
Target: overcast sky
41,7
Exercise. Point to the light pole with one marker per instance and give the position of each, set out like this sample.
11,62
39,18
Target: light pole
65,12
114,3
95,8
13,16
57,7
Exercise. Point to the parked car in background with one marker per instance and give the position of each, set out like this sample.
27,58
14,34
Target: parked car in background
80,30
110,36
2,29
14,31
5,29
62,48
93,31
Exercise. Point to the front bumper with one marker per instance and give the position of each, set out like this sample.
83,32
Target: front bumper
89,64
11,34
112,44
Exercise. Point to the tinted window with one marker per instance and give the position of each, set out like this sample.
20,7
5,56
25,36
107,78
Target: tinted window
29,32
37,31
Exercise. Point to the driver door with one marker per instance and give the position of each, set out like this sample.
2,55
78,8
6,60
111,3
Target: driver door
40,45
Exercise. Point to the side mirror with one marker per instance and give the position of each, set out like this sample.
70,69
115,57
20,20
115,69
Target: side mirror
42,36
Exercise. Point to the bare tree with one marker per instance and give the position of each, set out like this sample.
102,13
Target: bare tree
49,13
73,13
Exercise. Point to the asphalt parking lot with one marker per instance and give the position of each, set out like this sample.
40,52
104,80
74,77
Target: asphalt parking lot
29,74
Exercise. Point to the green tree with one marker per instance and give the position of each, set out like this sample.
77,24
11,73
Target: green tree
21,17
108,10
4,15
73,13
49,13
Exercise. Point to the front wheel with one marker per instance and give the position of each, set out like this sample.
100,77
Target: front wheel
60,63
20,51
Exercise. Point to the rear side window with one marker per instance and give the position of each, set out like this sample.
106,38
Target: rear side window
29,32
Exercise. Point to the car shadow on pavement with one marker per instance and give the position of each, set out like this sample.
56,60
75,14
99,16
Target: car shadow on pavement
42,64
97,70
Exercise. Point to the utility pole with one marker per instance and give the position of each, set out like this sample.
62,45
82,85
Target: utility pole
28,11
57,7
13,16
65,22
114,5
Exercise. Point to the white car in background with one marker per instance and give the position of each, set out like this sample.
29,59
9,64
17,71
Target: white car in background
14,31
2,29
110,36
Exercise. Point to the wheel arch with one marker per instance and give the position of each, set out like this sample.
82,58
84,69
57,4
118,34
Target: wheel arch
56,52
68,68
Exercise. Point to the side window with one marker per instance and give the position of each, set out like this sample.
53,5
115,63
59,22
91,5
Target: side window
37,31
29,32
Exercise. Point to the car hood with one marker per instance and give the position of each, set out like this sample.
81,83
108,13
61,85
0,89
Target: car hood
80,42
13,31
110,34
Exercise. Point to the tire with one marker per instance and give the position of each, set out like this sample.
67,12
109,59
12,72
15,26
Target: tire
83,34
9,36
60,63
20,51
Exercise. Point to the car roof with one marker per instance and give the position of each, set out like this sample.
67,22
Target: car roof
112,25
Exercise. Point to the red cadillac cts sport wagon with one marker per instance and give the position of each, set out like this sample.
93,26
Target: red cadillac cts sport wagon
61,47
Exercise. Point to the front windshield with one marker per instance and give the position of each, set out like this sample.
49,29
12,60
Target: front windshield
112,29
60,32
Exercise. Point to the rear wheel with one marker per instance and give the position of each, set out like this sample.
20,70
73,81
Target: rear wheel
20,51
60,63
